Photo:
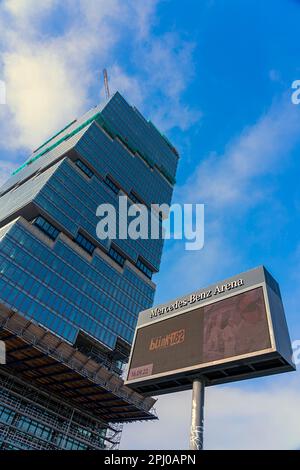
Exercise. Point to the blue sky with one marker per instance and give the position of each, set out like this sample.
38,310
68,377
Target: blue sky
216,76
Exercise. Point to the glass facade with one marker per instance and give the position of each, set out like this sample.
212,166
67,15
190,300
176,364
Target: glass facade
53,268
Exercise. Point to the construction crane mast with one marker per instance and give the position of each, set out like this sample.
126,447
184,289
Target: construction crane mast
107,93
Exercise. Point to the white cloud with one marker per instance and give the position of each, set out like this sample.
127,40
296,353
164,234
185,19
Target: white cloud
168,66
145,16
42,95
26,9
49,75
170,113
231,179
169,63
196,268
169,432
230,185
254,419
126,84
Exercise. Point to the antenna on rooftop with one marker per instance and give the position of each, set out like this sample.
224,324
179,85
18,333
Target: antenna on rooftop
107,93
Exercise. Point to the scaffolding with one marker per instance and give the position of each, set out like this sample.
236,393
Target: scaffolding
52,396
61,423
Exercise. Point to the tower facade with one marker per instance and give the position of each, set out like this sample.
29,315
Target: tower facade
72,288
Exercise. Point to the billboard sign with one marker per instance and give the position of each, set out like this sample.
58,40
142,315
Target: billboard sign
232,330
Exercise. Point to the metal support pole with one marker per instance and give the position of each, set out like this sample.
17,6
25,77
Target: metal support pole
197,422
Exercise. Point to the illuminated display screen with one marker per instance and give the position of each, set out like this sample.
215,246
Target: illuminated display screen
225,329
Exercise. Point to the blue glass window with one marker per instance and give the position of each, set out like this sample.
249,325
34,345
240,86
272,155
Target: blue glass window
109,182
84,243
116,256
142,267
6,415
84,168
46,227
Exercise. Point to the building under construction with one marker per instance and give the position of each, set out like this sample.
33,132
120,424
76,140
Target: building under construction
55,397
69,301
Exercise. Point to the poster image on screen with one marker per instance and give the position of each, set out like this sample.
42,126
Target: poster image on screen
227,328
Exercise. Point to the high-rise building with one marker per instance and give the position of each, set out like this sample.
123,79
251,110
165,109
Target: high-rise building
69,301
